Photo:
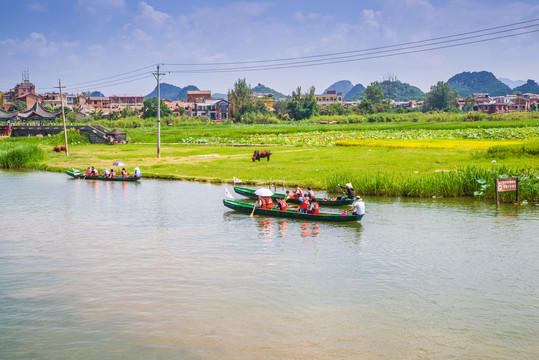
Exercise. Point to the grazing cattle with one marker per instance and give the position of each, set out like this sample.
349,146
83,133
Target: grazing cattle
259,154
59,148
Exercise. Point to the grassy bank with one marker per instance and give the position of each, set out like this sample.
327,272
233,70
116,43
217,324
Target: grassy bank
18,155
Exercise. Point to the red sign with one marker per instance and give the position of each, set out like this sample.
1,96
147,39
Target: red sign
509,184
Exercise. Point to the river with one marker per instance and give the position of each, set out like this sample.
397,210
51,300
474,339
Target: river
162,270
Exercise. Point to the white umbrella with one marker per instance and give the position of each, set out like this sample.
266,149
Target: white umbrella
263,192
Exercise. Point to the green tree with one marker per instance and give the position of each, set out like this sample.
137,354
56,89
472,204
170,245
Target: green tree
469,103
334,109
388,86
533,106
149,108
97,113
440,97
18,105
59,109
302,106
280,106
374,93
240,97
127,112
366,107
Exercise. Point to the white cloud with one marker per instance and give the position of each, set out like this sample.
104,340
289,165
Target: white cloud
36,44
36,6
147,12
95,6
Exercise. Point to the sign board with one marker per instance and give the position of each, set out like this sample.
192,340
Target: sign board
506,184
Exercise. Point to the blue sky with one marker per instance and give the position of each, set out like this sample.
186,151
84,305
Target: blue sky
84,41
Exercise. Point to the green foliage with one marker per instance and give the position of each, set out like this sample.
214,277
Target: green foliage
503,151
461,182
335,109
149,108
128,112
18,105
374,93
366,107
59,109
401,91
440,97
533,106
18,155
302,106
469,104
241,98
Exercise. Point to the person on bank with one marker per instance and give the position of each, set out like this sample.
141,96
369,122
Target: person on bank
349,190
358,207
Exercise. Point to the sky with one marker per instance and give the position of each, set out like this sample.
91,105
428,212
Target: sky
115,45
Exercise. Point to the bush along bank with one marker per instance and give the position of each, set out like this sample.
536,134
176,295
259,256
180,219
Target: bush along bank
17,155
464,181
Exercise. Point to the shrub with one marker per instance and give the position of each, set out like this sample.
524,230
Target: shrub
16,155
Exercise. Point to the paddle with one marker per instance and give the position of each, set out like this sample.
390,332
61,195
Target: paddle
252,212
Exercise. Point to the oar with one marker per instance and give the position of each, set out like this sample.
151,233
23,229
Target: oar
252,213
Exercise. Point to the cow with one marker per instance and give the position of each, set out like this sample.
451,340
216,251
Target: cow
259,154
59,148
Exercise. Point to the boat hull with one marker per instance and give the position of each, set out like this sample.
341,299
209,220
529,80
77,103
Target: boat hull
79,175
292,214
251,193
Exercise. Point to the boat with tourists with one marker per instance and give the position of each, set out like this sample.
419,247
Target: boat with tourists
339,201
79,175
249,208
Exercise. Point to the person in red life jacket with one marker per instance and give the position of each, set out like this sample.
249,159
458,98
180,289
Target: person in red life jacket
289,195
313,208
304,205
309,194
269,203
281,204
261,203
297,192
124,173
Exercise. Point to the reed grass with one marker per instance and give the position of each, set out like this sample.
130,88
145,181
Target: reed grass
18,155
464,181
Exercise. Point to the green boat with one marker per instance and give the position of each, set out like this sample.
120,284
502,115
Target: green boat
251,193
79,175
292,214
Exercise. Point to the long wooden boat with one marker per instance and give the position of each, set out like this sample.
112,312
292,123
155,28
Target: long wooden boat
248,208
327,202
79,175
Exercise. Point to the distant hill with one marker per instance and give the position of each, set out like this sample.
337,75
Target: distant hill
512,83
403,91
468,83
262,89
171,92
97,93
355,93
529,87
343,85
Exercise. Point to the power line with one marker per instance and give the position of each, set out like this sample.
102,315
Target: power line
368,49
337,60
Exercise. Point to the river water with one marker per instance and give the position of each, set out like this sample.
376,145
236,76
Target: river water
162,270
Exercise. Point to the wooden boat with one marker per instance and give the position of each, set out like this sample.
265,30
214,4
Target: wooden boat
248,208
326,202
79,175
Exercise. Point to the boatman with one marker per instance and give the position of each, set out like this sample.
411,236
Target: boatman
358,207
349,190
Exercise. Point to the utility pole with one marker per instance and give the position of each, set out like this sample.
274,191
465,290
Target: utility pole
158,75
63,115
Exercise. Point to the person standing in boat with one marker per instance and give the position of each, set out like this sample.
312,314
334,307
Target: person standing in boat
358,207
349,190
304,205
309,194
297,192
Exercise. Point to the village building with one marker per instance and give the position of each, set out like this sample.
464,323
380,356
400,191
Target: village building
121,101
329,98
493,108
218,110
198,96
